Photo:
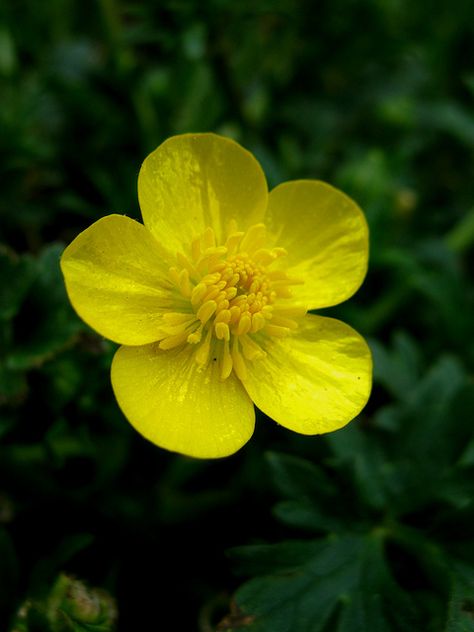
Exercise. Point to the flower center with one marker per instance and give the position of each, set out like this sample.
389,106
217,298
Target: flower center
226,297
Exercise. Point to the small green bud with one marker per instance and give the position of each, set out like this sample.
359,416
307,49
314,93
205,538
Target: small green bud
70,606
73,604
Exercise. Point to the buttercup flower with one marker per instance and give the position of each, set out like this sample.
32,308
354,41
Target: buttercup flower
209,299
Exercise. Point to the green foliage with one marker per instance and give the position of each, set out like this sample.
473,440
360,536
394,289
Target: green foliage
342,584
371,527
388,491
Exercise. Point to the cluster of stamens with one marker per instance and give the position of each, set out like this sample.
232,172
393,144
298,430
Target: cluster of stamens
225,295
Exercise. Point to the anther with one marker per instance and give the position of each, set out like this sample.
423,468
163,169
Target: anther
253,239
277,331
195,337
210,279
202,352
264,256
222,305
208,238
185,263
226,361
234,313
238,361
244,325
184,284
206,311
281,321
231,293
223,316
174,318
233,241
258,322
198,294
222,331
173,341
174,276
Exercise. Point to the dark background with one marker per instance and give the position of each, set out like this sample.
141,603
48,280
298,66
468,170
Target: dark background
374,96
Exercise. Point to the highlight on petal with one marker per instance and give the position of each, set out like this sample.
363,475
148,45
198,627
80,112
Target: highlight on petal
115,279
314,381
179,406
193,181
326,236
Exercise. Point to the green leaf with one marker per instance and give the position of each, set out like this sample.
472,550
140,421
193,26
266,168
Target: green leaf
427,419
314,504
399,368
20,273
309,517
283,557
47,322
343,582
368,471
461,604
295,477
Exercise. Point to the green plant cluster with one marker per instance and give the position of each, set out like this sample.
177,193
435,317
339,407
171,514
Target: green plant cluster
369,528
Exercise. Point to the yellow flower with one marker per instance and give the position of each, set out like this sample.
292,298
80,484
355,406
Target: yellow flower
209,299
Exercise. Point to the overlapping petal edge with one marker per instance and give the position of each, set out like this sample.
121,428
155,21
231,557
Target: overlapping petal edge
312,382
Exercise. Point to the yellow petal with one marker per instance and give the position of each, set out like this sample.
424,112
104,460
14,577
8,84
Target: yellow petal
314,381
194,181
114,273
326,236
179,406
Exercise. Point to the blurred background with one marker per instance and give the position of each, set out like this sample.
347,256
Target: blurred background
373,96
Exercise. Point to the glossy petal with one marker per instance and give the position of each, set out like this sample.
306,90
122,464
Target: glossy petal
194,181
326,236
175,405
114,273
314,381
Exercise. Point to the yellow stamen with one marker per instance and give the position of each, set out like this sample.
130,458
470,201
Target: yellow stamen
277,331
206,310
208,238
238,361
173,341
244,325
202,352
251,349
184,284
231,296
258,322
284,322
253,239
222,331
185,263
226,361
173,318
198,294
223,316
233,241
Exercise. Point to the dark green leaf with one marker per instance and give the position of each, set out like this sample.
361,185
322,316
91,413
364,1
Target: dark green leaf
17,274
295,477
344,580
47,323
461,604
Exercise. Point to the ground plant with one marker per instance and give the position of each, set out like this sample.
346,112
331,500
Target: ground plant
365,527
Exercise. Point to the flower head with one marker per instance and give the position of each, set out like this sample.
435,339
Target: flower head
209,299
